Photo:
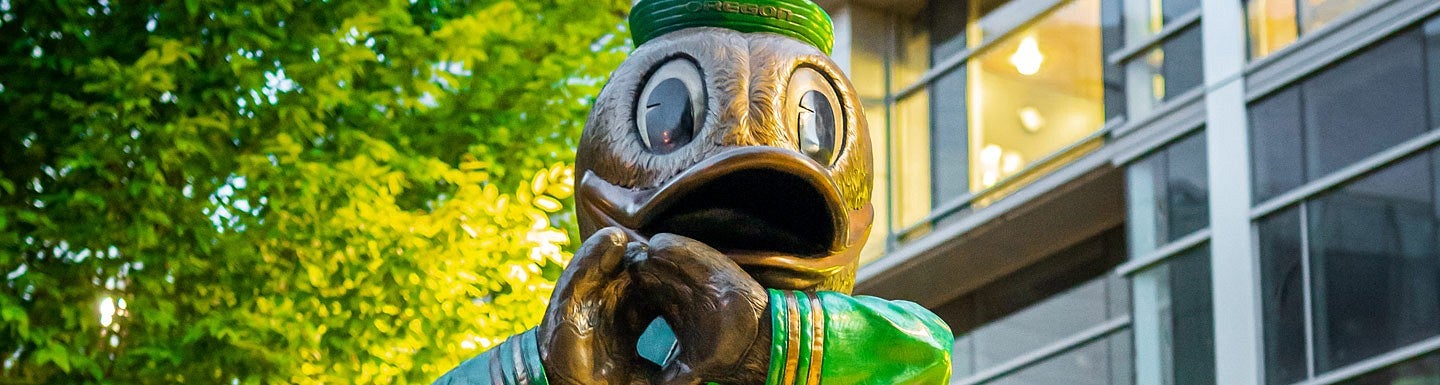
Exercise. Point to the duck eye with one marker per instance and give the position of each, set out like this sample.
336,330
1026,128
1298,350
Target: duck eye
815,110
671,106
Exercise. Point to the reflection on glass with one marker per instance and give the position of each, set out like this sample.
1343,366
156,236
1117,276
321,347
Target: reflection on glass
879,197
1104,362
1187,188
1169,195
910,160
962,357
1432,50
1272,25
1179,67
997,17
1174,9
1145,193
1374,253
949,150
912,57
946,19
1275,24
1315,14
1282,282
1277,144
1112,32
1044,323
1424,370
1365,104
1174,322
1017,118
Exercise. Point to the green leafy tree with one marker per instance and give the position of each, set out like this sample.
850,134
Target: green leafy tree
285,191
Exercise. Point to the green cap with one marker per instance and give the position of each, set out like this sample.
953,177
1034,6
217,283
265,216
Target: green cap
799,19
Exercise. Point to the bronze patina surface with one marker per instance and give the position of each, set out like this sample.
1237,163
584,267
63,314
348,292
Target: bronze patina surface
724,188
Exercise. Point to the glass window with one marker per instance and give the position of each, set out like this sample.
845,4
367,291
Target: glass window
1365,104
1275,24
1035,92
1042,324
947,27
1432,49
1174,325
1103,362
1179,65
1276,142
948,137
1424,370
1315,14
1145,193
999,16
1282,282
1169,195
1174,9
1272,25
910,160
1187,187
875,244
1173,66
1376,265
912,57
1112,16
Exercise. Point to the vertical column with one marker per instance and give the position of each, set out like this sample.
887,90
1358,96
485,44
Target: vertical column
1239,358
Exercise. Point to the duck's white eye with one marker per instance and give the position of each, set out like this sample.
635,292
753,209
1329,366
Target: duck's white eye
814,108
671,108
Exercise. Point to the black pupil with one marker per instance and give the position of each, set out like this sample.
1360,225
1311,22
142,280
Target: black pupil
817,126
669,116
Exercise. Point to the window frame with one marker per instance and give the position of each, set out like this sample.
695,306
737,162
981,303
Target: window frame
1419,349
903,233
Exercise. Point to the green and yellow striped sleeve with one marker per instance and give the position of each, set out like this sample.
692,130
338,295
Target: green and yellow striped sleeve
835,339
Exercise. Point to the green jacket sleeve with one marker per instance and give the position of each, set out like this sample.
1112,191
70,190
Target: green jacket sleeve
835,339
514,362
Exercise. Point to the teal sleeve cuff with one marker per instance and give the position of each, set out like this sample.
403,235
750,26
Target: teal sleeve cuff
514,362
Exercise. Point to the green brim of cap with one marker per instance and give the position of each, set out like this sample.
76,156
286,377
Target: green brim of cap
799,19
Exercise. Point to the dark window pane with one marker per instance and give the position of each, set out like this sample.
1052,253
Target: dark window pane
1187,187
1276,144
1193,342
949,138
1174,9
1094,364
1375,264
1112,39
1432,43
1424,370
1042,324
1365,104
1181,68
947,28
1146,196
1282,297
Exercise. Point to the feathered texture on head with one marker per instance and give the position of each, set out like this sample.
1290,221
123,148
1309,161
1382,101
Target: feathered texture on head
746,77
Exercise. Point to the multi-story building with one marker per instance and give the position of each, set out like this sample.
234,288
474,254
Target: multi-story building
1158,191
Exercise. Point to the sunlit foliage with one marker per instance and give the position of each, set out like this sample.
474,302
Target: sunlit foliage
285,191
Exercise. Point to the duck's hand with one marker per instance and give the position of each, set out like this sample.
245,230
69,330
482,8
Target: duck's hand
591,326
718,312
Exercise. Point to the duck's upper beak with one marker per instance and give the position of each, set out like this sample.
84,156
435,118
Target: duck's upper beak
776,212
